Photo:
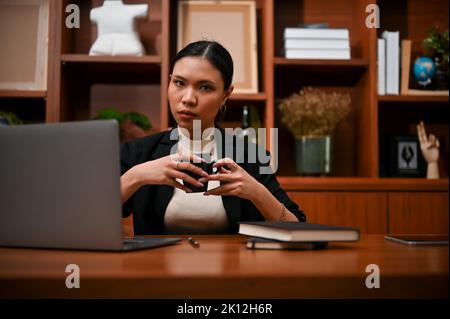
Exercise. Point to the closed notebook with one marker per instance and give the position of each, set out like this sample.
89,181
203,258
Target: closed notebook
319,33
295,231
261,243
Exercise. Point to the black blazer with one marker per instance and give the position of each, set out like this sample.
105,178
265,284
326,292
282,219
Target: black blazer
149,203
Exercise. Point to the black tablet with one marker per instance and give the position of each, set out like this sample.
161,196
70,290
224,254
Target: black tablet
419,239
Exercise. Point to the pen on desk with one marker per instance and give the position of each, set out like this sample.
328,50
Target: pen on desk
194,243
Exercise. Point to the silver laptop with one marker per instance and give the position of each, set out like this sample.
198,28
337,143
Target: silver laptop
60,187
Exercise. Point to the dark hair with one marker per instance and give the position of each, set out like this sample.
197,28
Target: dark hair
215,53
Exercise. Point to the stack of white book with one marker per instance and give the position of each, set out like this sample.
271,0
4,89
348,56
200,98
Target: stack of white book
389,63
320,43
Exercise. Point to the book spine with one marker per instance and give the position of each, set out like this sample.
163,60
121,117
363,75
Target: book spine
406,66
318,54
316,44
381,66
392,62
306,33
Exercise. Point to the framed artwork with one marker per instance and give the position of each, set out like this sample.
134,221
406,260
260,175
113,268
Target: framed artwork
232,24
24,32
405,157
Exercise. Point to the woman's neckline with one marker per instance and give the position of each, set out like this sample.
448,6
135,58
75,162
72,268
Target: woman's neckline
207,134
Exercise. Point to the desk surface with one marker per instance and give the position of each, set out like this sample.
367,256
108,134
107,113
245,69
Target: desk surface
222,267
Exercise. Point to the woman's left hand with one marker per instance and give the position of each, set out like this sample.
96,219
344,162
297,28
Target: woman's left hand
237,182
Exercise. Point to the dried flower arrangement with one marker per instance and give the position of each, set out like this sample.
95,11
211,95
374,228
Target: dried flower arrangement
313,112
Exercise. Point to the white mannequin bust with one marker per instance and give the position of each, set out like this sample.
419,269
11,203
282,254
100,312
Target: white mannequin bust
117,33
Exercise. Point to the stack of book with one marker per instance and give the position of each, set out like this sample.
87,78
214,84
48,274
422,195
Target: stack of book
320,43
294,235
389,63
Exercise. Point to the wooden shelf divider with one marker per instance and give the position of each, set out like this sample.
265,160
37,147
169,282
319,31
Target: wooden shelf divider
280,61
298,183
414,98
23,94
84,58
248,97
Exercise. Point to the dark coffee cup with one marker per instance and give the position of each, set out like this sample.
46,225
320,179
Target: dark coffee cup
207,166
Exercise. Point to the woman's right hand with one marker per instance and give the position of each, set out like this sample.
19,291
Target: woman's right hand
165,170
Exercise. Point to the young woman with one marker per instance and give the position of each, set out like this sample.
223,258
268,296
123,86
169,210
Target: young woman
152,184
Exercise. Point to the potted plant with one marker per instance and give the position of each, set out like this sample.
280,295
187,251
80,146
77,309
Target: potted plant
436,46
132,125
9,118
311,116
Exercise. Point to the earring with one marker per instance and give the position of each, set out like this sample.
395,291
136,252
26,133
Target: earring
223,108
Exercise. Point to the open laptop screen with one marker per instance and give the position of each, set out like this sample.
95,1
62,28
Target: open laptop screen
60,185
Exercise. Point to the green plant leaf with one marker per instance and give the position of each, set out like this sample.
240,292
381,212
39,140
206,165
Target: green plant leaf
139,119
110,113
12,117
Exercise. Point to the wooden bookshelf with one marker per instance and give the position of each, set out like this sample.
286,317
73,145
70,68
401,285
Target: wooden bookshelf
249,97
355,191
373,205
352,63
113,69
360,184
74,76
84,58
22,94
413,98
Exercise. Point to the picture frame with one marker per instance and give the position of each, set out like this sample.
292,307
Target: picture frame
405,157
232,24
406,66
23,58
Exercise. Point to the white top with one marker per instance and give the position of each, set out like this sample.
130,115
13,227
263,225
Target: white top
194,213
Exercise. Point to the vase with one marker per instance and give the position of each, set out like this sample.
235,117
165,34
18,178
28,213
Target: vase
440,79
130,131
4,121
313,155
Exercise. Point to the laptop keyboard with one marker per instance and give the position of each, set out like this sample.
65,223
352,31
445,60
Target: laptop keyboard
133,240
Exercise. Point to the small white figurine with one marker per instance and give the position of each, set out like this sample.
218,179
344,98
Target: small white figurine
117,33
430,150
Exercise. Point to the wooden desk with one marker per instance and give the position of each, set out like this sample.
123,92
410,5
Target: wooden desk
223,268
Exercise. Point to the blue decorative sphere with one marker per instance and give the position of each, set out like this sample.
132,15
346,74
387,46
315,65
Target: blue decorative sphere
424,70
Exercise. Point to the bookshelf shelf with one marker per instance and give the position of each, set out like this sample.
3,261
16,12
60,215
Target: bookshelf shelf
113,69
22,94
257,97
362,184
358,63
413,98
323,72
84,58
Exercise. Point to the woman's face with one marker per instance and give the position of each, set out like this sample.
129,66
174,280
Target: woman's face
196,92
